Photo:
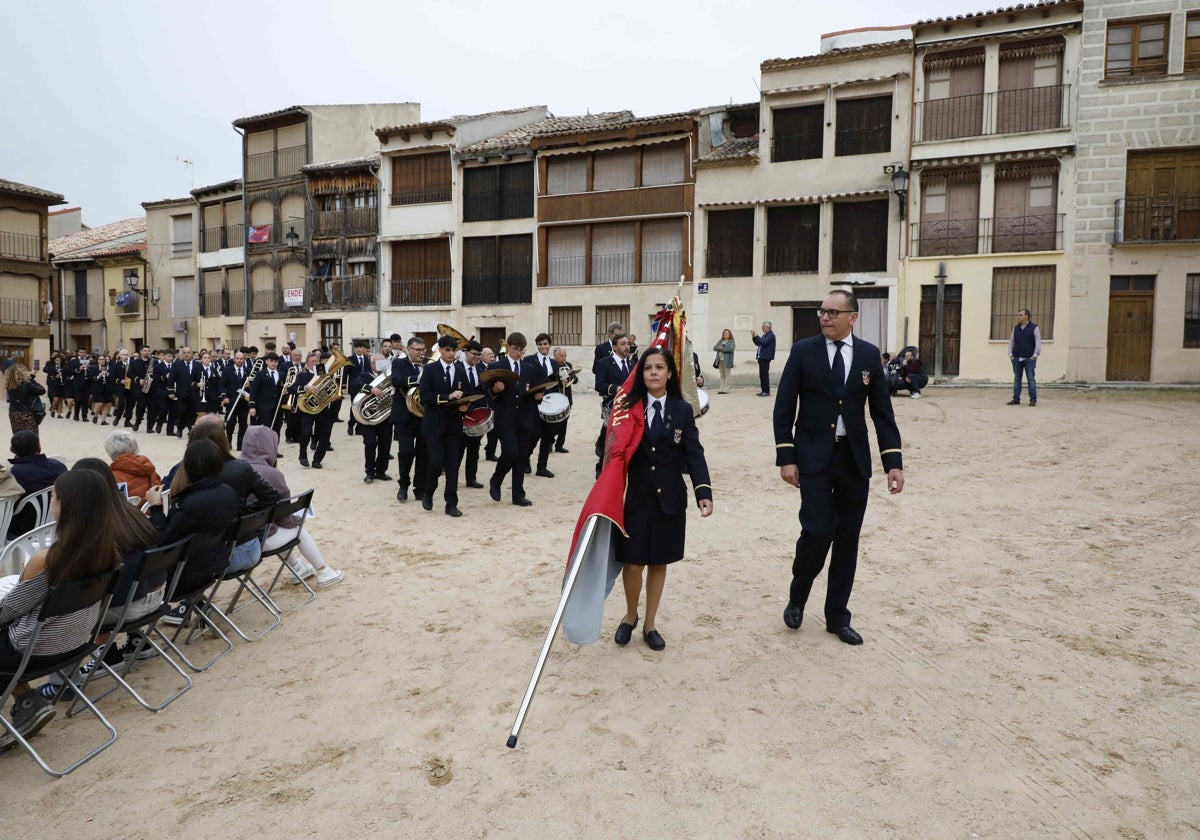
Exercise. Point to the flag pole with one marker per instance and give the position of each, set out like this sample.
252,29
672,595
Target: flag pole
576,561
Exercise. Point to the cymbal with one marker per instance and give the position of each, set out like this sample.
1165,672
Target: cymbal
502,374
468,399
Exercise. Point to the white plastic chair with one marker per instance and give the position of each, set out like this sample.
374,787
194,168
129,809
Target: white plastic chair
40,502
21,549
7,507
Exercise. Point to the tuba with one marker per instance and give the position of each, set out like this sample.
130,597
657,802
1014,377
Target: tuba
328,384
369,409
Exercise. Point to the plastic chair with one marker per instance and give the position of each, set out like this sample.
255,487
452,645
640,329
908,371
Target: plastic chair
40,502
62,600
7,507
20,550
297,504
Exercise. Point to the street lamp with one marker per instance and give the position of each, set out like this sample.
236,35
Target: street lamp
292,238
899,183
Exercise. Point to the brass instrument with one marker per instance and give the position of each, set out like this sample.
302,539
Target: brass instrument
287,401
328,385
246,383
203,382
446,329
369,409
148,380
413,399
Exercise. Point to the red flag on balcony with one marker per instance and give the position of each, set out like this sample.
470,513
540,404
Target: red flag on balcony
262,233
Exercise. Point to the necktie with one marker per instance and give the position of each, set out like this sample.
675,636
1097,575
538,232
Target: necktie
516,368
546,365
656,422
449,375
274,378
625,369
471,376
839,369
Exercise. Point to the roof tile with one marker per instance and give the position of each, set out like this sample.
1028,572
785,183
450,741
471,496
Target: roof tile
33,192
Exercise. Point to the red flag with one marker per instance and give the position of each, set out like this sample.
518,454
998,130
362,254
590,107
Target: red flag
623,434
262,233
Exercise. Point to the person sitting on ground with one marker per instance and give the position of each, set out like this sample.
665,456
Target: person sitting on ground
132,535
135,470
258,450
34,472
85,546
911,376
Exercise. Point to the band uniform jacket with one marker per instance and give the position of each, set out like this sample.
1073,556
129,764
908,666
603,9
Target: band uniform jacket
185,377
807,408
661,464
265,394
161,383
405,375
609,378
360,373
231,382
137,371
116,372
440,418
603,351
531,369
510,404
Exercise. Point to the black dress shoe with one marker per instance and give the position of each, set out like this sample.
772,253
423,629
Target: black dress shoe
316,465
451,510
528,470
382,477
624,632
846,634
303,461
561,449
793,615
545,473
474,485
653,640
522,503
491,457
402,494
427,501
135,427
368,479
494,491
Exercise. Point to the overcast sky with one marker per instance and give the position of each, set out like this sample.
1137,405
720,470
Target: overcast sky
103,101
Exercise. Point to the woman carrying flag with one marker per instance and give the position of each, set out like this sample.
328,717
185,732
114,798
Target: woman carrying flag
656,496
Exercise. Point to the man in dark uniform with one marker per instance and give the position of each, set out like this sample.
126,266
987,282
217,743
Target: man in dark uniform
161,392
185,374
410,448
377,438
821,447
265,393
611,374
139,365
442,383
515,425
474,385
539,369
291,419
605,348
358,374
236,410
486,357
314,428
77,369
559,438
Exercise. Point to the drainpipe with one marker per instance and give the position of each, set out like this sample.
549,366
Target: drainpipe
245,262
937,323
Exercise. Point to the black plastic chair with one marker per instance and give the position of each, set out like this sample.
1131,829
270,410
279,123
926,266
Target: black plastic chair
62,600
251,525
288,507
168,558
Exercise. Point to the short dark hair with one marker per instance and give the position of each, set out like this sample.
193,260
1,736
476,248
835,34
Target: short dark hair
516,339
271,356
448,341
26,443
1028,314
270,345
851,300
395,337
474,345
362,342
415,340
540,337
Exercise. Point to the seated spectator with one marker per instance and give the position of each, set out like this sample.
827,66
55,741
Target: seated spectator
85,546
891,372
128,466
201,505
34,472
259,450
911,376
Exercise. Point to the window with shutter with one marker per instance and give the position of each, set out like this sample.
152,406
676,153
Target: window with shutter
1136,47
663,164
566,174
864,126
566,256
798,133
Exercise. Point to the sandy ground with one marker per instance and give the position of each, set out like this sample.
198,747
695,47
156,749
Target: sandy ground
1031,664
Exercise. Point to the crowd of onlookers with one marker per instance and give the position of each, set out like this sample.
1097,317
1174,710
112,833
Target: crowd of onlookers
107,514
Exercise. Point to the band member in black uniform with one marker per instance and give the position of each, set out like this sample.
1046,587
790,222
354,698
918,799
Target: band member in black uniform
314,428
516,422
266,393
605,348
358,373
560,429
486,357
138,397
474,385
611,373
291,419
377,438
54,385
442,383
185,376
117,371
236,410
208,386
98,379
410,447
162,392
80,386
540,368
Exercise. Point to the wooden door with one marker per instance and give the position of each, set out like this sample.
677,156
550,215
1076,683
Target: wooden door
951,328
1130,334
805,322
493,337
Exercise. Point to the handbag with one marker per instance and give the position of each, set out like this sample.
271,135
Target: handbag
717,362
39,410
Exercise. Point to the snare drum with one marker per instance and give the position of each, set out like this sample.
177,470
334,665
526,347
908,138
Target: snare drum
702,396
478,422
554,408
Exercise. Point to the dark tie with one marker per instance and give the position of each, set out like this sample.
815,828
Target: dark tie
274,378
656,422
839,369
517,368
449,376
625,369
471,376
546,365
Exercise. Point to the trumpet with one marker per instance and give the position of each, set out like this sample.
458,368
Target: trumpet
287,401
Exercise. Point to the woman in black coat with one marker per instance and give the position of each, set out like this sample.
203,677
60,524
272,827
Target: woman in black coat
25,407
656,499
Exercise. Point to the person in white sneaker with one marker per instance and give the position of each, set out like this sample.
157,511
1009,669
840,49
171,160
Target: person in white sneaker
912,375
258,450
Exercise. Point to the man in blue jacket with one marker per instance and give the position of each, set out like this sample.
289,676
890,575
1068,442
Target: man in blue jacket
34,472
765,355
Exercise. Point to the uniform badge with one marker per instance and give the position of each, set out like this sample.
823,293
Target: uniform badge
866,377
678,435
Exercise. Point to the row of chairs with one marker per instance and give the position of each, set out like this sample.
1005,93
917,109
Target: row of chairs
198,594
39,502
